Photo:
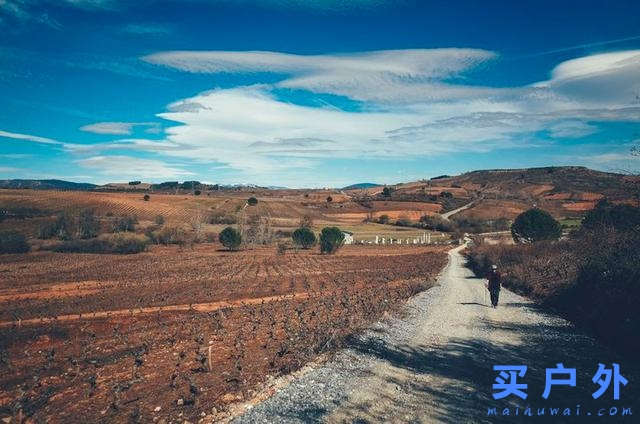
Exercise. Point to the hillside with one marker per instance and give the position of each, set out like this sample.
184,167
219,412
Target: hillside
46,185
504,193
566,192
360,186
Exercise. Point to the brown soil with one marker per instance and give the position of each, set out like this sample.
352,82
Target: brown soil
215,324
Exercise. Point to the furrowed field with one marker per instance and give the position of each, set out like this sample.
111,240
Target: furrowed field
103,338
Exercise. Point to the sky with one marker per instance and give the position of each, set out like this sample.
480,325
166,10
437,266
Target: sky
314,93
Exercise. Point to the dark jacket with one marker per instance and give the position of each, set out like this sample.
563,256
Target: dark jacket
494,278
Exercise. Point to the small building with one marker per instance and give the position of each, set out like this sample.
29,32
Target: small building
348,237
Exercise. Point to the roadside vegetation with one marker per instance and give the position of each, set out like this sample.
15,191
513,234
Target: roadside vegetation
591,276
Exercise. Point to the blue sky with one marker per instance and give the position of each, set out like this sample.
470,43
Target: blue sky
314,93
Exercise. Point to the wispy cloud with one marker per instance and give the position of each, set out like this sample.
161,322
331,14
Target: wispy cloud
120,128
33,10
583,46
390,75
29,137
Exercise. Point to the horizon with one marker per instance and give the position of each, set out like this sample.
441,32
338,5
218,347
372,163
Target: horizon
272,187
302,94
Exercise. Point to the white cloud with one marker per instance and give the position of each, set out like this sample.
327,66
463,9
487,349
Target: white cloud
571,129
130,167
9,169
15,156
28,137
120,128
410,107
124,144
601,80
388,75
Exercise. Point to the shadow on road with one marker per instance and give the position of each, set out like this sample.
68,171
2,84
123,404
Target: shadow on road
473,303
453,383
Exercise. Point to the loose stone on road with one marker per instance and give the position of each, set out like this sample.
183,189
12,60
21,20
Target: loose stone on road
434,363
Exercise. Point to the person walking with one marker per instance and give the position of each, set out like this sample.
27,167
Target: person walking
493,286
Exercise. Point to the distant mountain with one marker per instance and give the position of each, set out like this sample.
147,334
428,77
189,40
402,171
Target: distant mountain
46,185
361,186
564,191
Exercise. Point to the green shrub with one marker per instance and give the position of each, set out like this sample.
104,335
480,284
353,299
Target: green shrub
13,242
197,192
146,197
383,219
171,235
304,238
159,219
127,243
230,238
535,225
252,201
121,243
436,223
403,222
331,239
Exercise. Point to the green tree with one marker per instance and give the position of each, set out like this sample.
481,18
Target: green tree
230,238
331,239
304,237
535,225
386,192
252,201
607,215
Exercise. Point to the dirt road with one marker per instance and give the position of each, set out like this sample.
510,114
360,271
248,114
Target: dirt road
435,364
447,215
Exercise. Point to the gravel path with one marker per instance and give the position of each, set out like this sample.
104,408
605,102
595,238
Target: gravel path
447,215
434,364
